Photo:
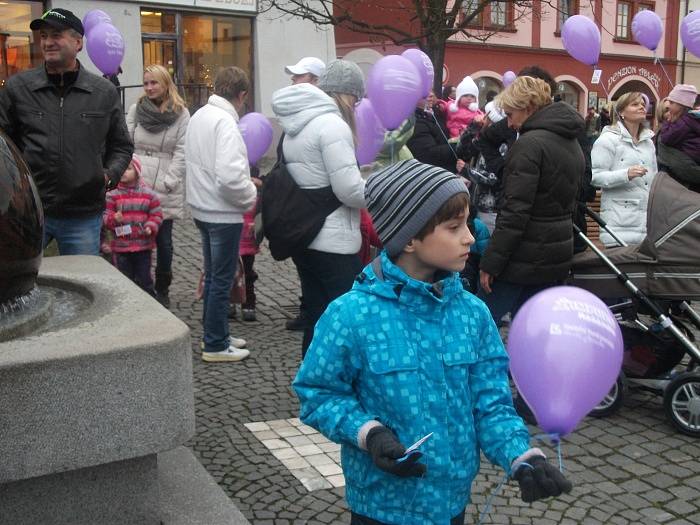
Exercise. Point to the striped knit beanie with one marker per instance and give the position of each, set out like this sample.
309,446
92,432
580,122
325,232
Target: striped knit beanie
402,198
136,162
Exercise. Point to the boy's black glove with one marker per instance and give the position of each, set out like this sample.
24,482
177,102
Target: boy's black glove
541,481
385,449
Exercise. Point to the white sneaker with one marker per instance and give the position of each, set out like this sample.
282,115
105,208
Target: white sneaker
237,342
233,341
228,355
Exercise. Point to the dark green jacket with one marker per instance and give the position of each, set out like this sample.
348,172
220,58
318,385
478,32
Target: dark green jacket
533,241
69,142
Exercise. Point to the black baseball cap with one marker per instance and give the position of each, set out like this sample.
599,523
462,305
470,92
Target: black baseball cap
58,19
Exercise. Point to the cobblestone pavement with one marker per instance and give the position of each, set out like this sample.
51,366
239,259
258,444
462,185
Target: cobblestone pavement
627,469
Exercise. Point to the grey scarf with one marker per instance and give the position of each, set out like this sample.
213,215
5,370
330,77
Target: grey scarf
149,116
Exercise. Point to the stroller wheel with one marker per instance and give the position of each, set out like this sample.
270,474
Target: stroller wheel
682,403
612,402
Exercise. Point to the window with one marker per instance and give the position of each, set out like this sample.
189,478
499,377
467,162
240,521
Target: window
495,15
626,9
19,49
565,9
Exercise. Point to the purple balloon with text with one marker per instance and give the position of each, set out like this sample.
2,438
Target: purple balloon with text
257,135
370,133
647,29
394,87
508,78
565,350
105,47
581,39
424,66
690,32
93,18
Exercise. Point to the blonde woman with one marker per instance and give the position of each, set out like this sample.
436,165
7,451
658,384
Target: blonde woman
532,245
157,124
319,150
624,165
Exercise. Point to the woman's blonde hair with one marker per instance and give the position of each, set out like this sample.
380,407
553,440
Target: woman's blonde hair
624,101
525,92
171,100
347,111
660,113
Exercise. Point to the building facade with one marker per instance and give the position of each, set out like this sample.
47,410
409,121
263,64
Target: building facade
191,38
534,38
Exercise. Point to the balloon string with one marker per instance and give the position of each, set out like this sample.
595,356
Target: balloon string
607,95
391,143
555,439
445,136
658,61
487,507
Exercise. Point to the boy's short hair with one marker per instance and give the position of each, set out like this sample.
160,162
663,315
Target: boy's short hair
230,82
453,208
404,197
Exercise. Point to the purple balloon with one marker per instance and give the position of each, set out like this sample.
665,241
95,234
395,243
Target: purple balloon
93,18
394,87
105,47
647,29
690,32
581,39
257,135
565,349
508,78
424,66
370,132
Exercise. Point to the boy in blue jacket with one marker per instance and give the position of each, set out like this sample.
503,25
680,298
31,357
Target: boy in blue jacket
408,352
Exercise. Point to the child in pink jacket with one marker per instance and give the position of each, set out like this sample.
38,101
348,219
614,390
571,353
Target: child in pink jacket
133,216
465,109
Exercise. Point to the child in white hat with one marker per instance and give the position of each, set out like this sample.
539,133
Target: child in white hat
465,109
682,129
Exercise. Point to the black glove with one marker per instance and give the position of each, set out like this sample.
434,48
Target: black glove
541,481
385,449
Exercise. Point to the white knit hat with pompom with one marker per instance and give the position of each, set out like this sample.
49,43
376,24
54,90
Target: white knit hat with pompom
466,87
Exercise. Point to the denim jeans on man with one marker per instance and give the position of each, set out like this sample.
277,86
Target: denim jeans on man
324,276
137,267
220,251
74,236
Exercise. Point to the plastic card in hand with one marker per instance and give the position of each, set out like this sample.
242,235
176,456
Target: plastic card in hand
413,449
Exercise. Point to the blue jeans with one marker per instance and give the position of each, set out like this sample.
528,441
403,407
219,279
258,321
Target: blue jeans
137,267
74,236
508,297
220,251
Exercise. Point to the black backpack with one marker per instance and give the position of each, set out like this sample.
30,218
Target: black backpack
292,216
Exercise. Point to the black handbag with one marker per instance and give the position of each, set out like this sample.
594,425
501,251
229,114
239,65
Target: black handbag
291,216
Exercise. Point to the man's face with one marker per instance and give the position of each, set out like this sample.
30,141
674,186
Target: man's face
306,78
59,47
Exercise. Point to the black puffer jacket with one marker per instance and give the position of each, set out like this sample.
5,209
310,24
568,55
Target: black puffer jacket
533,242
70,142
429,143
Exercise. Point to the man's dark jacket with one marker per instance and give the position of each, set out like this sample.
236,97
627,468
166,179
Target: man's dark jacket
429,143
533,241
69,142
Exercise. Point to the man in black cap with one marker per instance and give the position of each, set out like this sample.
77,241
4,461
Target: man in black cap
70,127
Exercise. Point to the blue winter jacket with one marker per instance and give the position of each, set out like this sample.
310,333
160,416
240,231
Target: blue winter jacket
419,358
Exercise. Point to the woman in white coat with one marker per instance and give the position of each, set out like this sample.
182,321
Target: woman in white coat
624,166
157,124
319,151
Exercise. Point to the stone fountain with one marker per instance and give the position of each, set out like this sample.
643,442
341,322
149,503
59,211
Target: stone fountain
96,392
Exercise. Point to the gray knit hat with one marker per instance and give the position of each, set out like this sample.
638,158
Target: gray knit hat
403,197
343,76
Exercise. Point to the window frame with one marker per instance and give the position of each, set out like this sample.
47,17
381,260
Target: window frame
634,6
576,10
485,15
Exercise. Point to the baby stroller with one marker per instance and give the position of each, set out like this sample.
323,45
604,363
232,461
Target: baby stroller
649,288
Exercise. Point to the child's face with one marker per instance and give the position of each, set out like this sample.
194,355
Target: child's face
129,175
447,246
465,100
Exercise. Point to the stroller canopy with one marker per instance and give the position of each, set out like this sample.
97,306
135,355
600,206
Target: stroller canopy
667,262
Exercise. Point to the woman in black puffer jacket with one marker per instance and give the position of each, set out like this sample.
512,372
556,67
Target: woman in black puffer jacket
532,245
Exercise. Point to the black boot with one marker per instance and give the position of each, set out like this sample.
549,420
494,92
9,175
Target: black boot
162,287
